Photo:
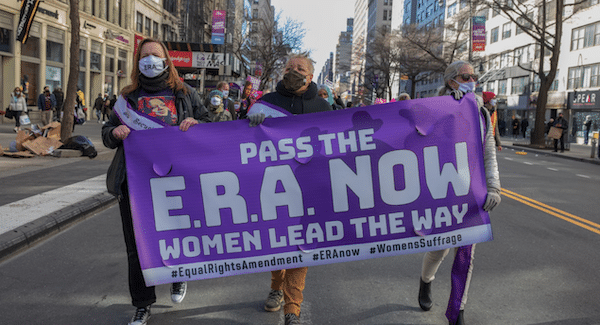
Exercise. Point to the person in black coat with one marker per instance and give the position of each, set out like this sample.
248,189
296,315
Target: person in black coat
60,99
561,123
155,91
297,94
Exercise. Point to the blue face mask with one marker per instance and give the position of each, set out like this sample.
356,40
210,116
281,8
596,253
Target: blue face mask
152,66
467,87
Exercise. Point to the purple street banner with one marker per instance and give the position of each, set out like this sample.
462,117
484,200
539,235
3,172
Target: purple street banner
226,199
218,26
478,36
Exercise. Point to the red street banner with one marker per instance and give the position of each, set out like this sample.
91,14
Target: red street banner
28,10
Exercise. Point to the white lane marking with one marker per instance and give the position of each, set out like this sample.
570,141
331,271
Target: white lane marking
553,169
507,158
584,176
528,163
16,214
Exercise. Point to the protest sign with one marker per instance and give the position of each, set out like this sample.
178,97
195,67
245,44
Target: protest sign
225,199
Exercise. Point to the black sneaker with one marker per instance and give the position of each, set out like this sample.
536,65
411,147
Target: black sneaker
178,290
274,300
292,319
141,316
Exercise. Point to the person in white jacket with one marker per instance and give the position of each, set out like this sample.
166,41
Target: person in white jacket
18,105
459,79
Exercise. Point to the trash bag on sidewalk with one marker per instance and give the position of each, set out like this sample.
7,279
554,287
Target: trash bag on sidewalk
81,143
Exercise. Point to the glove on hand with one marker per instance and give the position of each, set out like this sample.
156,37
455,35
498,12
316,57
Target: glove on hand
256,119
457,94
492,200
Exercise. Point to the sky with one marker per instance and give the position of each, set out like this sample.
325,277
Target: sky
323,21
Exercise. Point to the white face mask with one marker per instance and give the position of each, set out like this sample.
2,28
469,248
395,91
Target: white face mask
215,101
493,102
236,106
152,66
225,93
467,87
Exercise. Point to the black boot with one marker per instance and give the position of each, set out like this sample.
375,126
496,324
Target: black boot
460,320
425,295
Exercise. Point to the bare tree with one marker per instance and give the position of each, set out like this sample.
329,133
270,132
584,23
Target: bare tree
543,22
272,43
69,104
380,69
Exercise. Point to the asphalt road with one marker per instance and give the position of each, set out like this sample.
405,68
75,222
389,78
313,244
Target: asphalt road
541,268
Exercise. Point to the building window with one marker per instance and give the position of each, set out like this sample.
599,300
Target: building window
494,35
519,85
139,22
148,26
495,12
254,13
5,37
506,31
154,30
505,59
107,10
584,77
385,15
537,84
502,87
122,64
54,51
585,36
31,47
82,58
521,55
451,10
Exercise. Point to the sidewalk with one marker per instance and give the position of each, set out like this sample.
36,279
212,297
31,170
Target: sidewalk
577,152
42,195
48,204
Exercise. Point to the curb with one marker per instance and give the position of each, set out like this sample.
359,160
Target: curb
590,160
28,235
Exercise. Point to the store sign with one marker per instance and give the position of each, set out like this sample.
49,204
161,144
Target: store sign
584,100
109,34
46,12
181,58
208,60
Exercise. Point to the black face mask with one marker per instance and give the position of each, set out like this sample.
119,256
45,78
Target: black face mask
293,80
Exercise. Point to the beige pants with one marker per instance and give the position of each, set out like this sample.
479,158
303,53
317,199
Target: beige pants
291,281
433,260
46,117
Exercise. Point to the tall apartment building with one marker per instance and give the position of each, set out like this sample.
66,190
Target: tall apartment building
343,60
369,17
327,70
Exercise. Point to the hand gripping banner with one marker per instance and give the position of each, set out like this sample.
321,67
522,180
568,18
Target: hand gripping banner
225,199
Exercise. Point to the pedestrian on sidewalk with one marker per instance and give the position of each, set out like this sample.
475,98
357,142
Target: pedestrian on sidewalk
60,101
297,94
588,127
561,123
515,127
98,107
460,79
524,126
18,105
489,102
46,105
155,90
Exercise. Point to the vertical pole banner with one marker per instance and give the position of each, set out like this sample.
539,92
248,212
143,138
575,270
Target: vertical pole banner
225,199
28,10
218,26
478,33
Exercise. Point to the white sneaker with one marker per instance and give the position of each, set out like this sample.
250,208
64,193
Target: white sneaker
178,290
141,316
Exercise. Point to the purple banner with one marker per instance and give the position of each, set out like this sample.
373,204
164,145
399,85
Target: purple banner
218,26
225,199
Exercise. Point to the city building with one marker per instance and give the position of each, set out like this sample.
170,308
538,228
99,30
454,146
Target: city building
343,59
